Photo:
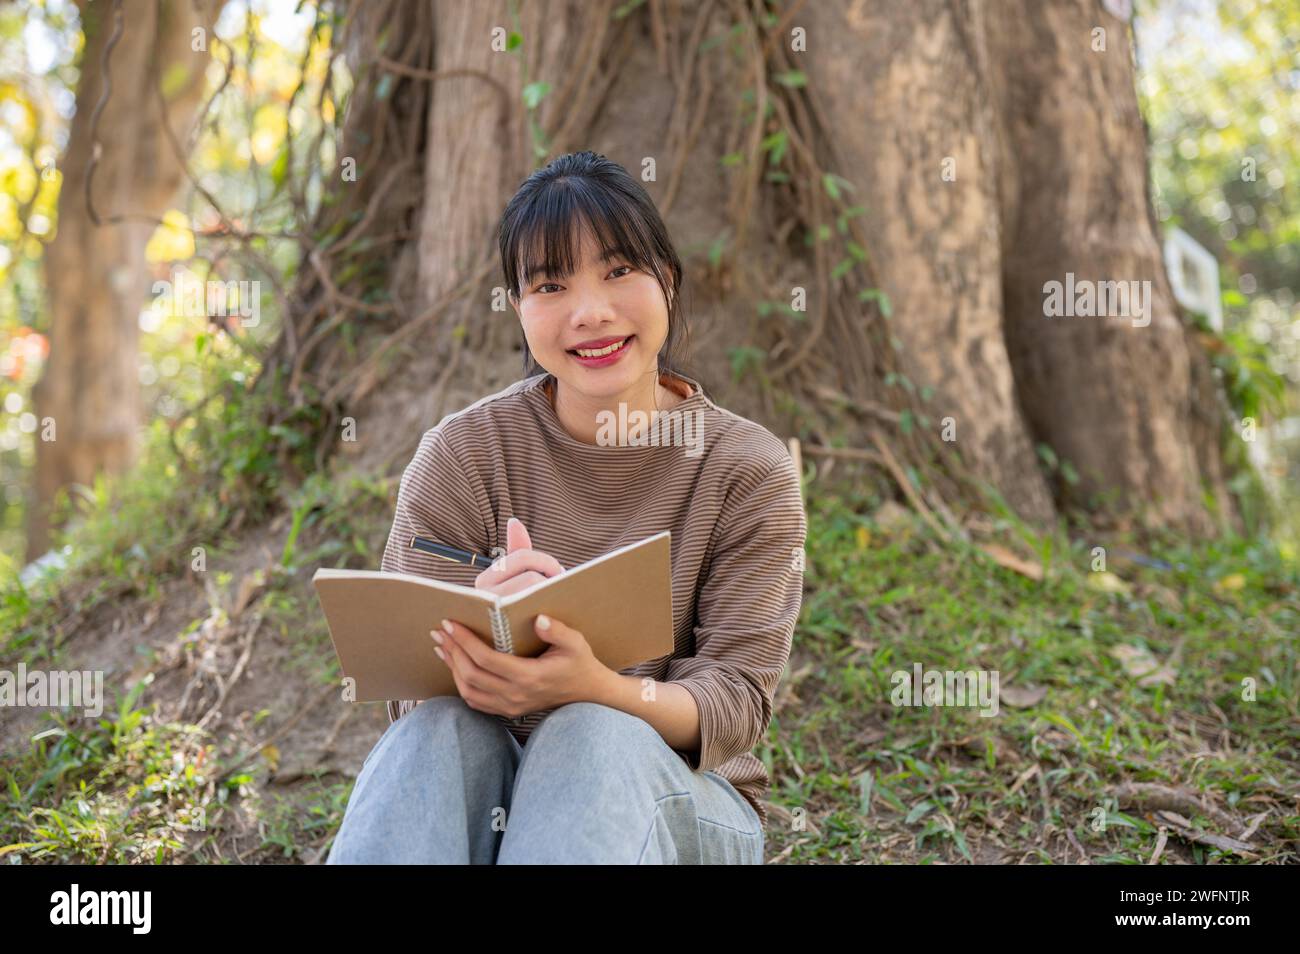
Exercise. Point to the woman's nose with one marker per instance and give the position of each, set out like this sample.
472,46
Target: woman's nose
591,309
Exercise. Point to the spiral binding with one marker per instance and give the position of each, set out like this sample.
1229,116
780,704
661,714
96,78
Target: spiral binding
503,641
501,637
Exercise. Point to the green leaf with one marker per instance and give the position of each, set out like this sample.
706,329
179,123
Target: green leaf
834,183
842,220
961,844
887,794
832,188
626,8
918,810
775,146
792,78
513,41
866,781
534,93
880,298
893,595
1066,724
286,555
18,846
715,249
280,165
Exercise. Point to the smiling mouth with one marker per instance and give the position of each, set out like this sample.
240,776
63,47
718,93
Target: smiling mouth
601,352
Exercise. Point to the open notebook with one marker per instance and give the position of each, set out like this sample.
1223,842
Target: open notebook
622,602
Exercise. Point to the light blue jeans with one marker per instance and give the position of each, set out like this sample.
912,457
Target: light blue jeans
447,784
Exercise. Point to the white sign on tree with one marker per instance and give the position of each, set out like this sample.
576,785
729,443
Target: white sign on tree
1194,274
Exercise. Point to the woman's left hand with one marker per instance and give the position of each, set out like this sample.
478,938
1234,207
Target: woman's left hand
504,684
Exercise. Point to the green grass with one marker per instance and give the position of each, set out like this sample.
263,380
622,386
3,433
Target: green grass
133,790
296,826
128,787
881,782
118,789
861,779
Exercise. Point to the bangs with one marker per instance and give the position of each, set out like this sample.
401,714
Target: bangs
545,239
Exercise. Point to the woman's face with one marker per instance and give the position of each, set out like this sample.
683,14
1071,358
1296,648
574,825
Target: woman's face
571,323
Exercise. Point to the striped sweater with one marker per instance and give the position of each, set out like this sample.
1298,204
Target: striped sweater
729,493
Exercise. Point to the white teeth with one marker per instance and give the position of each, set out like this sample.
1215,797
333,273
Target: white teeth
599,352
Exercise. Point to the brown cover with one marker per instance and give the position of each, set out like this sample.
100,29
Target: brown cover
622,602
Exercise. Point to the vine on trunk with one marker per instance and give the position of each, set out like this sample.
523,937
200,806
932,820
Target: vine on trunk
840,371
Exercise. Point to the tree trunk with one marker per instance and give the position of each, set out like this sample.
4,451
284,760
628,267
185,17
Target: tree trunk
992,150
87,399
921,149
1118,398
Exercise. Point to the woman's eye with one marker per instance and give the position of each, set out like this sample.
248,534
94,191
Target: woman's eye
542,288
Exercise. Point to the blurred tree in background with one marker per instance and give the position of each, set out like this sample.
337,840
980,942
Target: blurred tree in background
1217,85
1220,87
259,57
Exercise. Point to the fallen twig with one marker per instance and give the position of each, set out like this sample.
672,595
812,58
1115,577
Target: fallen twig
1149,796
1184,828
234,674
1161,838
906,484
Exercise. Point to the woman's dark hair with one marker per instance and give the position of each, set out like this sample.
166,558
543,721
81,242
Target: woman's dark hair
537,234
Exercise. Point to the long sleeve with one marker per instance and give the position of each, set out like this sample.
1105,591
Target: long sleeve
442,498
746,614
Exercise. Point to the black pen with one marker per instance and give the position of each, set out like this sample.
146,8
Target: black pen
450,553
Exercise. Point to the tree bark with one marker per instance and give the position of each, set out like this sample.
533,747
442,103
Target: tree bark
1126,403
920,147
88,394
993,151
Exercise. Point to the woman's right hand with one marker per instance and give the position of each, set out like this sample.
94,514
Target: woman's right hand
521,567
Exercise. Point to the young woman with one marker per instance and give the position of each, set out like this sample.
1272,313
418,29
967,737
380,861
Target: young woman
557,758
